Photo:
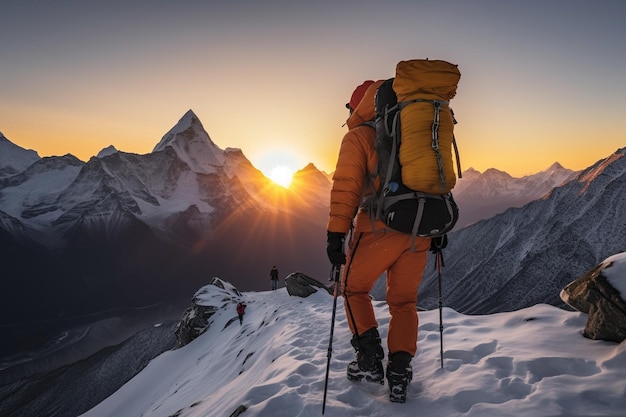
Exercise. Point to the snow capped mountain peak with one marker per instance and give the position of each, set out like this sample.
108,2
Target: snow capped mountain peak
554,167
109,150
471,171
14,159
192,144
496,173
552,176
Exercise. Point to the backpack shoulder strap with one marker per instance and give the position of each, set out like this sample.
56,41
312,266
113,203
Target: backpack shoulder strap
456,149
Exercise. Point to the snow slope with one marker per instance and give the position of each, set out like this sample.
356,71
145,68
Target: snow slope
531,362
14,159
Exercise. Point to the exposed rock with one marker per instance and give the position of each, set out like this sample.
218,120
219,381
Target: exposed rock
205,302
302,285
238,411
594,295
227,286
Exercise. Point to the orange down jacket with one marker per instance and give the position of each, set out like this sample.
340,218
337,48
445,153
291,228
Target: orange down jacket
357,158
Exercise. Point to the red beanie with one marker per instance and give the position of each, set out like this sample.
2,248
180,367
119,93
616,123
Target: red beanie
358,94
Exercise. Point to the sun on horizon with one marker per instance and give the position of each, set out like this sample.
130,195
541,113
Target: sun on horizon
282,176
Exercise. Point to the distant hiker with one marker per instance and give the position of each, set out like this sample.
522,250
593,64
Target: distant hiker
241,310
373,249
274,277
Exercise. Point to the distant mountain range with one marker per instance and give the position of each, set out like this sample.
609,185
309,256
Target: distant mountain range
482,195
125,230
526,255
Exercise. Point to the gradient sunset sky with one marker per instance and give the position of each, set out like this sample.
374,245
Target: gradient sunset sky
542,80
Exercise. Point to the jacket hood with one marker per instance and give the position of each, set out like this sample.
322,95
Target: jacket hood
365,111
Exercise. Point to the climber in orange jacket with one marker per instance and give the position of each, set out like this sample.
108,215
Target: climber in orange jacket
373,250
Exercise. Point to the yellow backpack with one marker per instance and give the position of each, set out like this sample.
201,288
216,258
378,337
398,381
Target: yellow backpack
414,141
424,89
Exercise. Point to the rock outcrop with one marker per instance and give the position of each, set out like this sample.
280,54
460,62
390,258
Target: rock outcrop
594,295
205,302
301,285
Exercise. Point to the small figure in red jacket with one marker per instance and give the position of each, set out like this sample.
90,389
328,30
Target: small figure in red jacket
241,310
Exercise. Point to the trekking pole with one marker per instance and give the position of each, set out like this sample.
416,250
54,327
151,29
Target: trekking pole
436,246
439,264
337,275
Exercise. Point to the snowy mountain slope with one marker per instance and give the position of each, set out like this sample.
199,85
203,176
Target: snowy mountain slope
524,256
106,151
31,195
14,159
483,195
529,362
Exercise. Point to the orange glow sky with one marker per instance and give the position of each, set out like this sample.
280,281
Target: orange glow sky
542,81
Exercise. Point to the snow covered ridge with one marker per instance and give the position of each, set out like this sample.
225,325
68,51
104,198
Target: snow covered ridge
531,362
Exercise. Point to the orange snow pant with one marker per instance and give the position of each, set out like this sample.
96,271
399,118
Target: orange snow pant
369,256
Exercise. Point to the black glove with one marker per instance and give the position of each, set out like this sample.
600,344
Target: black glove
438,243
334,248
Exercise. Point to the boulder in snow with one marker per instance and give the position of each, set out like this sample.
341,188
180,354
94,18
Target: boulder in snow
600,294
301,285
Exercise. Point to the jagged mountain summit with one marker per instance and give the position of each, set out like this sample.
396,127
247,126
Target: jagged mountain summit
109,150
193,145
525,255
483,195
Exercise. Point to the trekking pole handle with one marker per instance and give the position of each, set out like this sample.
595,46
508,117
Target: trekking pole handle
336,273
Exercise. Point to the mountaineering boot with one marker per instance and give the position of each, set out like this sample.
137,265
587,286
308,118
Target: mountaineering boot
399,375
369,355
